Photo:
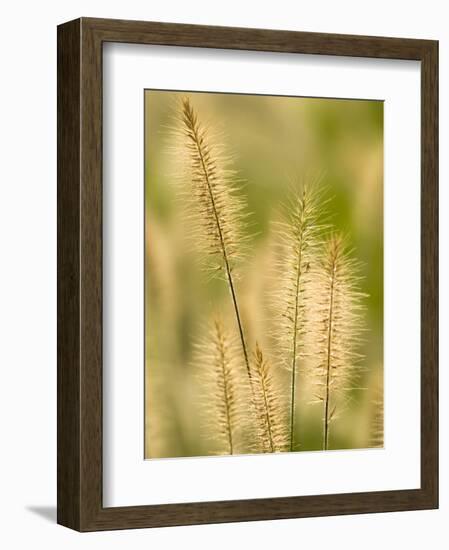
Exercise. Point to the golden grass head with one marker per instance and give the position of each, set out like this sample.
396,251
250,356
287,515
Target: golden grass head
225,390
269,405
210,190
299,238
338,325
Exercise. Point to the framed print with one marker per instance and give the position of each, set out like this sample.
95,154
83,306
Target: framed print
247,274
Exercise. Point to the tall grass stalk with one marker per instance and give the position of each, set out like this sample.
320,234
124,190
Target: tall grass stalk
299,236
339,326
217,209
224,392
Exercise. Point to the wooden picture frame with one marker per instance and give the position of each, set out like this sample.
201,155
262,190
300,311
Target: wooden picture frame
80,503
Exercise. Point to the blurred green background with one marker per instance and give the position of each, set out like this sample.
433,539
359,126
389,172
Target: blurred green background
275,141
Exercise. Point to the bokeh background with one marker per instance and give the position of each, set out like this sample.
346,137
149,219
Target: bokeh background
276,141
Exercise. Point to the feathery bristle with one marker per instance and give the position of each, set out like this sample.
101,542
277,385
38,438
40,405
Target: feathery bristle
339,326
268,404
225,390
299,238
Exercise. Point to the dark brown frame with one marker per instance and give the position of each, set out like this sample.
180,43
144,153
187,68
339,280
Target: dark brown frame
80,274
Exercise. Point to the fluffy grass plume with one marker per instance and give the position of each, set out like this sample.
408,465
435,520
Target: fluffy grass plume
299,242
268,404
339,319
216,210
224,389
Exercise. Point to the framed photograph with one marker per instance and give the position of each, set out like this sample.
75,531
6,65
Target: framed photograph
247,274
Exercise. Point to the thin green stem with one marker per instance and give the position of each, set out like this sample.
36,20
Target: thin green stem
295,326
328,363
294,345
